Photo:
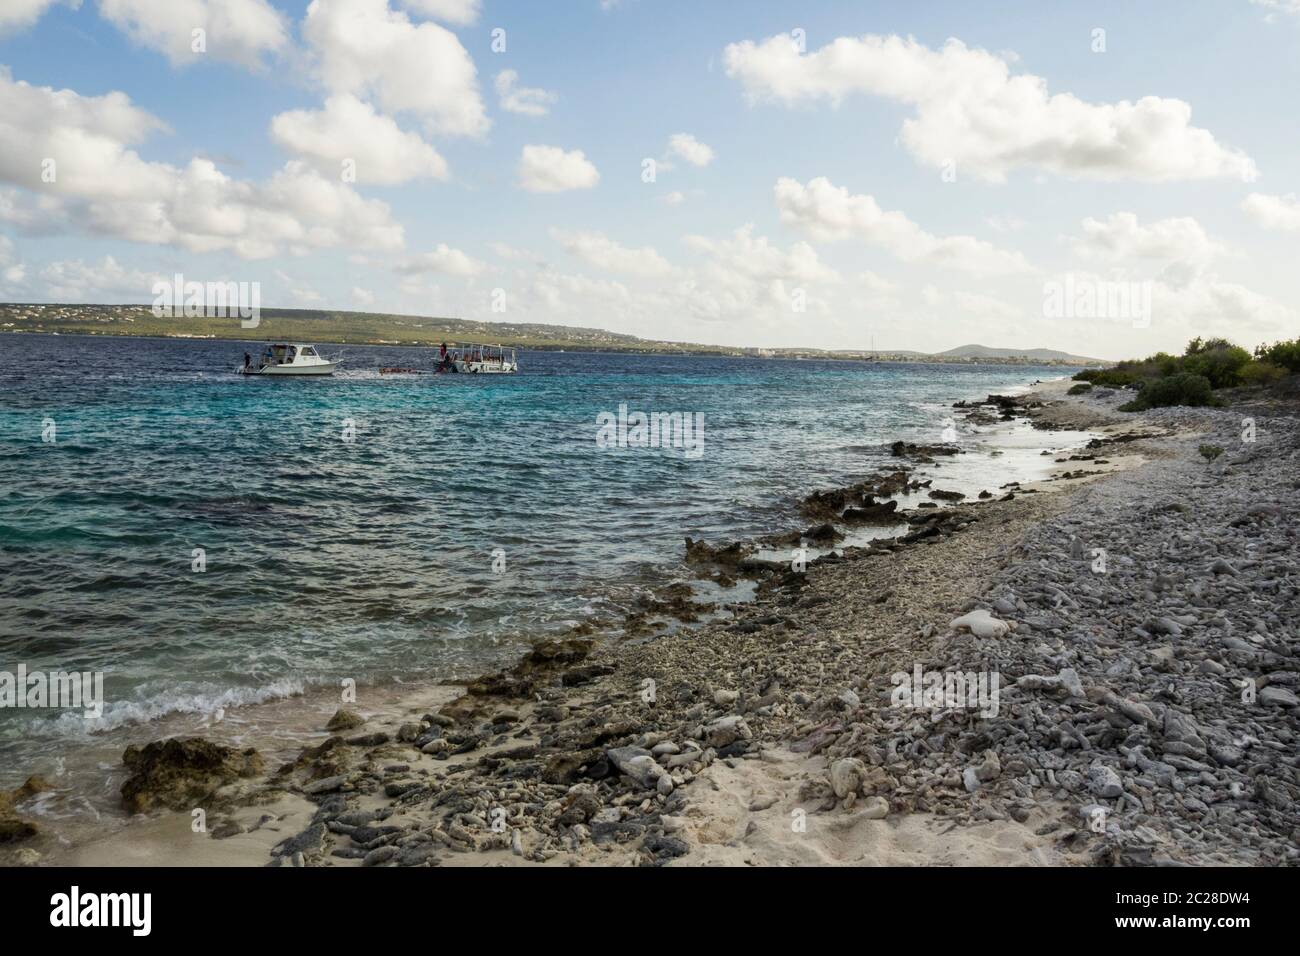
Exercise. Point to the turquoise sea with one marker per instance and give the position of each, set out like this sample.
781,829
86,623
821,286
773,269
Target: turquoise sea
209,541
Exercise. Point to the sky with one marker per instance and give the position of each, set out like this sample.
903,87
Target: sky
1109,178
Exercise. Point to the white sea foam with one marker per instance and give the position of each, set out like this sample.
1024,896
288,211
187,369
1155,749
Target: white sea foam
124,713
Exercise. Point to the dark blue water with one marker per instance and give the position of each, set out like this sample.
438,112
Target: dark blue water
372,558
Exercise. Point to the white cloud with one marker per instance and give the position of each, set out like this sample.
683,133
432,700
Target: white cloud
297,209
742,279
365,48
238,31
17,15
443,260
85,137
1284,6
742,284
460,12
959,307
549,169
745,255
103,186
78,281
529,101
829,213
876,283
32,215
1122,237
1184,303
675,198
565,295
362,296
1273,212
1209,306
599,250
969,110
690,149
984,306
1006,223
511,254
348,129
12,271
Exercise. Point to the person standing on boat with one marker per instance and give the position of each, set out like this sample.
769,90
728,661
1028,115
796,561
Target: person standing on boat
248,360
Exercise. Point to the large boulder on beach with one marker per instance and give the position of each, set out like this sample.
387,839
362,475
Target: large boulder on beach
873,511
700,552
14,828
824,532
344,720
180,772
903,449
940,494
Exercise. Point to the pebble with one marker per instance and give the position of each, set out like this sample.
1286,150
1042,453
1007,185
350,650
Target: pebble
1278,697
1103,781
727,730
325,785
846,776
980,623
637,764
381,855
875,808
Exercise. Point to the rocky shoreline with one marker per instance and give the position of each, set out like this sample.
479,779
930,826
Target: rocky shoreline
1127,621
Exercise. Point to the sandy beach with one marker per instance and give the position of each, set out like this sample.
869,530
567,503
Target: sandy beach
1128,622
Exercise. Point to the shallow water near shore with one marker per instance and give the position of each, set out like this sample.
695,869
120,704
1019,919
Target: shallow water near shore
370,556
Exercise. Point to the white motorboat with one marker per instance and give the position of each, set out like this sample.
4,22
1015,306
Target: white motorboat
289,359
480,360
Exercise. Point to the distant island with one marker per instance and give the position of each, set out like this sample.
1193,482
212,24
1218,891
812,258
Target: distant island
374,328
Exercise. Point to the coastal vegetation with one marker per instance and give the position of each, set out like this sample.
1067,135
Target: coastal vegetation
1206,366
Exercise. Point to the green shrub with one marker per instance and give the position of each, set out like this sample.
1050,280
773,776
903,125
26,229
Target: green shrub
1284,354
1166,363
1080,389
1218,360
1210,452
1185,388
1188,379
1133,371
1108,377
1262,373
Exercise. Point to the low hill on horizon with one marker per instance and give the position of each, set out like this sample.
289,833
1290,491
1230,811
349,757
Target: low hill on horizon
328,326
1052,355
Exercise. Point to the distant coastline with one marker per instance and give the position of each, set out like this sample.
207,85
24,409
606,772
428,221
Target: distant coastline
364,328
